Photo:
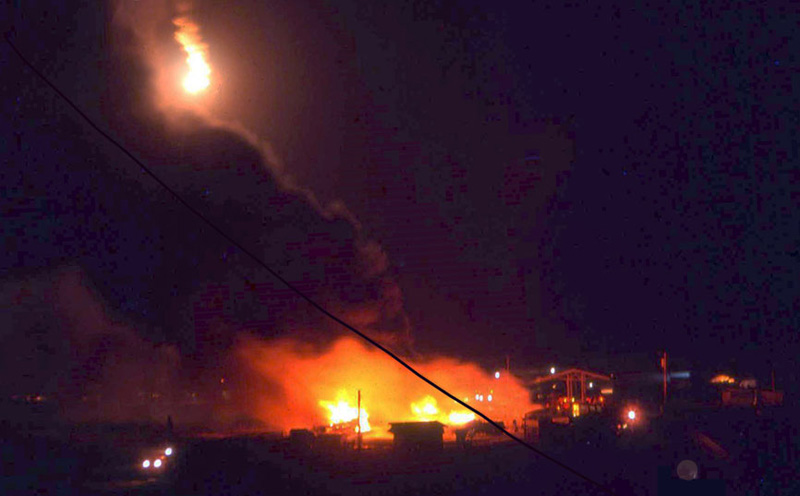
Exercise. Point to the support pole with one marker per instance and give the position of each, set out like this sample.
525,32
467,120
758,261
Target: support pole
583,387
664,366
359,421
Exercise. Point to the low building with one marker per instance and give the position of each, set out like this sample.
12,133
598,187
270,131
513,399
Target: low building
417,436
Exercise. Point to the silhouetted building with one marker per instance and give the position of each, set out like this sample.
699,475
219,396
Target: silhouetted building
417,436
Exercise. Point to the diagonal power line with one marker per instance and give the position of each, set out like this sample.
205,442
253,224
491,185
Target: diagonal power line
288,284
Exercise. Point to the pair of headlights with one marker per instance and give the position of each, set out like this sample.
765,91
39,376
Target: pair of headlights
158,462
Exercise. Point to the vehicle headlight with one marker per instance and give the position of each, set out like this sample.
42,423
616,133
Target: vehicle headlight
168,451
146,464
157,463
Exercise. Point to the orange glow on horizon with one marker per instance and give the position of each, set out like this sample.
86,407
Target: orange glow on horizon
306,387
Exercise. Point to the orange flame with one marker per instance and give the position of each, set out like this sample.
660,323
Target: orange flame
296,385
342,412
427,410
458,418
188,35
722,379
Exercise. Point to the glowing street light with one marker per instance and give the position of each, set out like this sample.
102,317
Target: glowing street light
552,370
497,375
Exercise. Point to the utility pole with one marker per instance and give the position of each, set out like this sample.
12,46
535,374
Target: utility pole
359,420
664,368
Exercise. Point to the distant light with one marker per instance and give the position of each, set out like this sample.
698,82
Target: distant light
481,398
146,464
687,470
591,385
723,379
477,397
490,397
157,463
552,370
632,414
497,375
168,451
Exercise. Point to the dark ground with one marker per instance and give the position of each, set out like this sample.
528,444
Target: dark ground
737,452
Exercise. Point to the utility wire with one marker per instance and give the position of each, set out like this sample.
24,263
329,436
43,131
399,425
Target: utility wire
288,284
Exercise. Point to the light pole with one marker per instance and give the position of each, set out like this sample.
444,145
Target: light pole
664,368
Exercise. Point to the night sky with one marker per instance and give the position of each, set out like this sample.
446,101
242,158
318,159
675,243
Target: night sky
584,185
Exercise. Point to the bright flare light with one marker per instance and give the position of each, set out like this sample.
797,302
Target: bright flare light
168,451
199,76
146,464
157,463
632,414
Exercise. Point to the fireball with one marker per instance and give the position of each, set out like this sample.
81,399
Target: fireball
426,409
198,77
342,411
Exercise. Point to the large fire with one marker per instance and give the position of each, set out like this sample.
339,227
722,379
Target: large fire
199,76
342,412
303,387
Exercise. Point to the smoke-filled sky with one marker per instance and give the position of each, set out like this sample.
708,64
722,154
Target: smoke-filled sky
552,183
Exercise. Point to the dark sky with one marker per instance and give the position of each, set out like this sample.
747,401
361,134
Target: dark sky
561,184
